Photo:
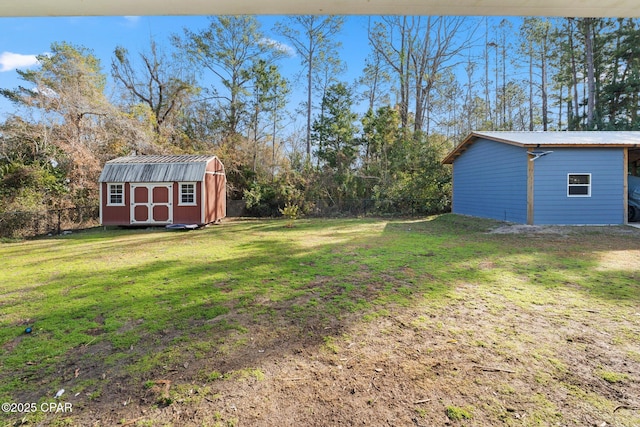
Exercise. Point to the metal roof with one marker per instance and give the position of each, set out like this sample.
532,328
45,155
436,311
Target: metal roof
551,139
182,168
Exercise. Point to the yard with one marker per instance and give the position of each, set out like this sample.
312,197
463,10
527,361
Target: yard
444,320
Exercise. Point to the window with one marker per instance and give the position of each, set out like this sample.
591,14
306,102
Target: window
579,185
116,195
188,194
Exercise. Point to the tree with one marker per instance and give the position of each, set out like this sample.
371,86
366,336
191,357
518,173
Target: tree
22,141
68,123
67,91
374,76
419,50
157,85
334,133
228,48
312,36
413,181
270,91
432,56
68,85
474,114
536,46
620,92
588,46
381,131
574,59
588,31
389,38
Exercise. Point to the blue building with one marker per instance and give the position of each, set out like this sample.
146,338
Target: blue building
545,177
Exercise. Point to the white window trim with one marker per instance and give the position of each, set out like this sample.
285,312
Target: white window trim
109,194
195,201
579,185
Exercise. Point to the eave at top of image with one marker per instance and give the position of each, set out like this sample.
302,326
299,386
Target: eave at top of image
573,8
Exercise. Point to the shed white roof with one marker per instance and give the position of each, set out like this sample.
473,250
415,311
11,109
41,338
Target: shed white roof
552,139
182,168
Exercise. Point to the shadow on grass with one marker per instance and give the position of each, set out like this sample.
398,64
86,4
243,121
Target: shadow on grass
140,304
574,257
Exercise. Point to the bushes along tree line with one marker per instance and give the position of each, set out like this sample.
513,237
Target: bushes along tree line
427,82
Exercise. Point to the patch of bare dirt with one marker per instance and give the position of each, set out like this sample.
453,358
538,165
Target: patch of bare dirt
561,230
530,229
502,363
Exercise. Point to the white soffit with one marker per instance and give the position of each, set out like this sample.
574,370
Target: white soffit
575,8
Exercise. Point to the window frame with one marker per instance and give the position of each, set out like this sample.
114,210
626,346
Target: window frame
111,193
570,185
182,193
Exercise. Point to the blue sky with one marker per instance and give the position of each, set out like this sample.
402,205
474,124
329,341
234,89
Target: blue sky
21,39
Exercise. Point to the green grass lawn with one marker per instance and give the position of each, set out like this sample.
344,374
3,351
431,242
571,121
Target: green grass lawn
132,302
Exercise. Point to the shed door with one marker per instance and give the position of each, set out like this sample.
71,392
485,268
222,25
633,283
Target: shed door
151,204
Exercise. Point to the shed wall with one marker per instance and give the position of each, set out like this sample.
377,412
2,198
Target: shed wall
121,215
215,204
187,214
490,180
606,204
115,215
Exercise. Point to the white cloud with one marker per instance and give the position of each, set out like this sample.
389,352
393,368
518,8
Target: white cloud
282,47
9,61
132,20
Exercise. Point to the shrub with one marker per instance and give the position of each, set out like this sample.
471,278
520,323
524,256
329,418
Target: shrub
290,211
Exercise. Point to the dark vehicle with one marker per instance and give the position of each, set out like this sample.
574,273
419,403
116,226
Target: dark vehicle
634,198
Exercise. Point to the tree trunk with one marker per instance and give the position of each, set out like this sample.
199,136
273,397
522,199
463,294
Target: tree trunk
530,87
309,89
574,78
591,80
404,76
543,71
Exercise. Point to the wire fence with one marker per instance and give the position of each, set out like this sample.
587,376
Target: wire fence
348,207
50,222
365,207
24,224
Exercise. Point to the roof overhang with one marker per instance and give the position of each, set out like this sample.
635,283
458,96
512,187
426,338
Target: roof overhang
575,8
578,139
156,168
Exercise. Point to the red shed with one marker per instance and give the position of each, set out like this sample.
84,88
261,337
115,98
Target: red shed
162,190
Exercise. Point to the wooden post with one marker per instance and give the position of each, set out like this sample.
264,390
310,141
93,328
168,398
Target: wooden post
625,191
530,187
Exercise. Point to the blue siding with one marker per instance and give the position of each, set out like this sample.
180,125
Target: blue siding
605,206
490,180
